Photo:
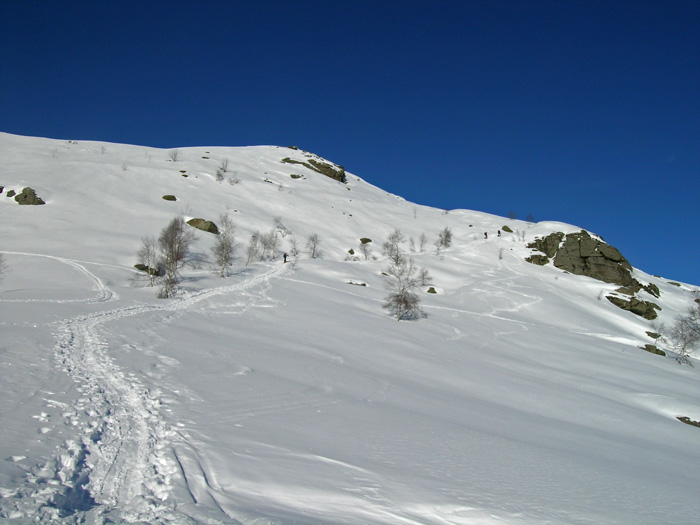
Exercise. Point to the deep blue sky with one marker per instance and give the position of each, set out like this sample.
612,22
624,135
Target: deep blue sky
585,112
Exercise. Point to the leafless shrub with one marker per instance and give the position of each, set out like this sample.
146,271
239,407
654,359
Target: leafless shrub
174,245
312,246
401,281
224,247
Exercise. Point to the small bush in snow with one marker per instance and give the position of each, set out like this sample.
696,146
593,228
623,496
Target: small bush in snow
401,281
253,250
312,246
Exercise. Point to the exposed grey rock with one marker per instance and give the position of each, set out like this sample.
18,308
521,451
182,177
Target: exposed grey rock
581,254
152,271
652,289
653,349
538,259
204,225
325,168
688,421
645,309
549,245
28,196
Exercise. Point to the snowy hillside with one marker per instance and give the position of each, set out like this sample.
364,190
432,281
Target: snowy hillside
286,393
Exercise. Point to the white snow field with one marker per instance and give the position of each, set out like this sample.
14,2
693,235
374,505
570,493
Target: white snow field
285,393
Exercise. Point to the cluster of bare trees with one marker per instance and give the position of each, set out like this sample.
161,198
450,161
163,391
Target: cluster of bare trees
162,258
684,335
174,245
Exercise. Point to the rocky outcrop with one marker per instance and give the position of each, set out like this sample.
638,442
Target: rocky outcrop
538,259
321,166
547,245
645,309
204,225
653,349
28,196
581,254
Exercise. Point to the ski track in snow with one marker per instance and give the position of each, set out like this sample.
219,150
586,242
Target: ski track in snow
120,464
104,293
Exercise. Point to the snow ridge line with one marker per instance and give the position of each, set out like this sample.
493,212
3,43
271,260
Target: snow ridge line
121,467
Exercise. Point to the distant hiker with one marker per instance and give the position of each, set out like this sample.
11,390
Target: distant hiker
486,235
285,257
499,233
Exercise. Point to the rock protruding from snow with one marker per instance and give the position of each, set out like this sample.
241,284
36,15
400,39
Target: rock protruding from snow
29,196
581,254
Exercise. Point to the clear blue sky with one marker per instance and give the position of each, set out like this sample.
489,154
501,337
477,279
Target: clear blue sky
585,112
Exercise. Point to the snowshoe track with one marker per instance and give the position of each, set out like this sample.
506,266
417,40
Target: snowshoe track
121,465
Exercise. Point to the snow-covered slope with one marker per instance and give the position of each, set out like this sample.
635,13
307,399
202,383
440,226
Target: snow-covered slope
285,393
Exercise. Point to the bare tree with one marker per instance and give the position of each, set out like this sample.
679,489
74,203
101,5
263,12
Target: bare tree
445,237
293,249
424,277
422,241
174,245
224,247
401,281
270,244
684,335
148,258
174,154
391,245
281,228
253,251
312,245
294,246
365,250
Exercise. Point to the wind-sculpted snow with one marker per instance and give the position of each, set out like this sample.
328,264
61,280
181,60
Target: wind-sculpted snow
120,463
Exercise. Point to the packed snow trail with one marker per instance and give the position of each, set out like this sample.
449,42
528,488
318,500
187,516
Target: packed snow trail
120,464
